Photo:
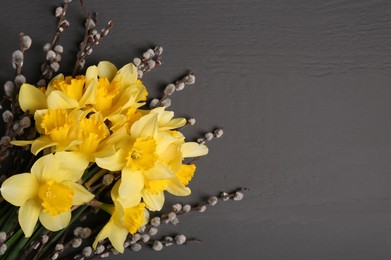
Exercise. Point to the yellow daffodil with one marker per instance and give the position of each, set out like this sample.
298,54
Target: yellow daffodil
58,129
94,136
48,192
61,93
116,90
144,158
124,220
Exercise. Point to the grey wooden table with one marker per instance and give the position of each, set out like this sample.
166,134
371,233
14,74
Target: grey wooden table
302,89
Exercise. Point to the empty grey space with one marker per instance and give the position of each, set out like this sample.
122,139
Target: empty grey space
302,89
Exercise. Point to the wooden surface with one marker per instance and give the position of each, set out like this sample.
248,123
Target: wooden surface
302,89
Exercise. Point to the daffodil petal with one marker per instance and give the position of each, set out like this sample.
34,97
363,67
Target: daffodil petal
89,96
59,100
173,124
45,168
91,73
132,182
145,126
41,143
176,188
28,216
21,142
104,233
72,164
80,195
31,98
193,149
159,172
114,162
154,202
118,237
19,188
127,75
130,200
107,70
57,222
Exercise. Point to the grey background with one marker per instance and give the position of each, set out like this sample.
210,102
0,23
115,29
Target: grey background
302,89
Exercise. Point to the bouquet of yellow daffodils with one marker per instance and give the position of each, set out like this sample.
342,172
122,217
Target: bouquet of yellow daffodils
95,145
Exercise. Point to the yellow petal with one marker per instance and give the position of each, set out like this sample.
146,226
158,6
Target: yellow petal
113,163
28,216
193,149
59,100
80,195
21,142
41,143
173,124
57,222
176,188
45,168
19,188
159,172
31,98
104,233
154,202
132,182
91,73
107,70
126,75
72,164
117,238
130,200
145,126
89,96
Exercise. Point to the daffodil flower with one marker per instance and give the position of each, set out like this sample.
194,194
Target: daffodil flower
58,129
61,93
116,90
144,157
48,192
124,220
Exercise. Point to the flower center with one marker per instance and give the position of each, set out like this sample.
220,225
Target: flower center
72,87
185,173
142,156
134,217
105,93
55,197
92,132
56,123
